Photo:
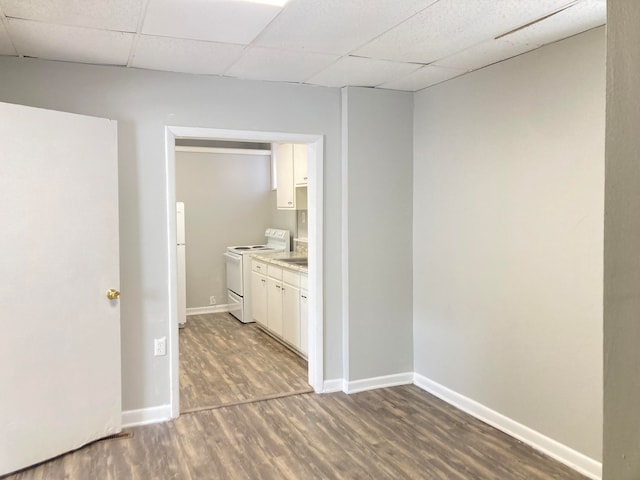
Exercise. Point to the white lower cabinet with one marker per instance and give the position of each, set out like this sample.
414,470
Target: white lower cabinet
279,300
274,305
291,311
259,297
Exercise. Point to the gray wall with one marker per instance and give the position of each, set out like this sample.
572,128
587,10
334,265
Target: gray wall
143,102
508,235
622,244
228,201
377,136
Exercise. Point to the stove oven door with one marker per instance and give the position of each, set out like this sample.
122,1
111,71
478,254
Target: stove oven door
234,272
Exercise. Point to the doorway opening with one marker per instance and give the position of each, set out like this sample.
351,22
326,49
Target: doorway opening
315,248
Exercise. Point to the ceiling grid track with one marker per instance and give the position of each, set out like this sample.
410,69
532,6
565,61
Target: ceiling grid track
134,46
5,23
406,46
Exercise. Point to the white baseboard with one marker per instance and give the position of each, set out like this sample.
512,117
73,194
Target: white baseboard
378,382
576,460
209,309
330,386
145,416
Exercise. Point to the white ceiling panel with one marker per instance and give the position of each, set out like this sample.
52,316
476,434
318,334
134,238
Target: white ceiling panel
449,26
6,48
224,21
581,17
121,15
280,65
70,44
484,54
336,26
363,72
180,55
423,78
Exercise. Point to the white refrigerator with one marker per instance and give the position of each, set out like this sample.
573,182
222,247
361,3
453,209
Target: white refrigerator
182,265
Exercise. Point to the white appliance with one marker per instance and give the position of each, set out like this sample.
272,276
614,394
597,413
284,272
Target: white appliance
182,265
238,263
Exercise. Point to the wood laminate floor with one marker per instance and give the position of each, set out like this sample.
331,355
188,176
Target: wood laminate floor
393,433
225,362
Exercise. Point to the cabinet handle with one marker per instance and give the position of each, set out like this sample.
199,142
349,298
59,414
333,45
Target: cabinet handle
263,280
303,297
278,286
305,178
290,203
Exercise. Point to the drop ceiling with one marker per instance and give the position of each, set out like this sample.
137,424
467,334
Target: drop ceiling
393,44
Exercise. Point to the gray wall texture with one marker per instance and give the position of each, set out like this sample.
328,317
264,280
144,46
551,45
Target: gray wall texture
144,102
228,201
378,147
508,237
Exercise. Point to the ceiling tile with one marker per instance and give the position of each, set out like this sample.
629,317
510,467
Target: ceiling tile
180,55
484,54
583,16
423,78
362,72
336,26
280,65
70,44
6,48
120,15
449,26
225,21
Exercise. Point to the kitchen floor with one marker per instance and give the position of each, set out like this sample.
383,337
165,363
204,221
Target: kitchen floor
225,362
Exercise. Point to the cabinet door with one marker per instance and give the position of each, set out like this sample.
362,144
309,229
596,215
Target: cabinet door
304,322
259,298
300,168
291,314
285,193
274,305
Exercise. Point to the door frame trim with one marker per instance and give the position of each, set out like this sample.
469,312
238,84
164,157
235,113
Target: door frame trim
316,248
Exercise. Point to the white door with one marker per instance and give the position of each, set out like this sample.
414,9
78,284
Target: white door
60,334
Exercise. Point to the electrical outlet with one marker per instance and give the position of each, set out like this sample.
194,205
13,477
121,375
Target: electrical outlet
160,346
212,300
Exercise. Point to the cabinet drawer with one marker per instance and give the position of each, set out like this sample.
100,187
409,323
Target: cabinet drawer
304,281
274,272
292,278
260,267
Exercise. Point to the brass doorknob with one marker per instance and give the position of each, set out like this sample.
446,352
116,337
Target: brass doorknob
113,294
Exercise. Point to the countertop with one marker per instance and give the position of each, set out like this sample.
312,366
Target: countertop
276,259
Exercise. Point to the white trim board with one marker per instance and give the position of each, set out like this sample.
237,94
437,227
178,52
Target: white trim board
228,151
316,236
334,385
570,457
373,383
146,416
210,309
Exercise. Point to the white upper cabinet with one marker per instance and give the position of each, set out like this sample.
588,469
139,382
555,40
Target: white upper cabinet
286,198
291,172
300,164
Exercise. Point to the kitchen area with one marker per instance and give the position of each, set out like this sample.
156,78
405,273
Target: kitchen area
245,257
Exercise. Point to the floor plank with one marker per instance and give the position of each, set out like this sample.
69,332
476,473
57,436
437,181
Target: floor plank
225,362
393,433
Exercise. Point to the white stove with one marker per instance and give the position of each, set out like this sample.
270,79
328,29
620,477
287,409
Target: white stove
239,271
245,249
